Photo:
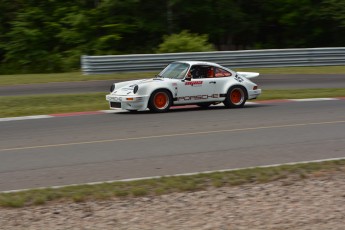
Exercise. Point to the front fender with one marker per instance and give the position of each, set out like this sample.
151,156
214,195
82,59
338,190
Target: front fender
148,89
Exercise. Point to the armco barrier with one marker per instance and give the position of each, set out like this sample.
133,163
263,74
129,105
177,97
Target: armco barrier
230,59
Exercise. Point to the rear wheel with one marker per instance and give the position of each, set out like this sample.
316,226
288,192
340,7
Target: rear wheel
160,101
236,97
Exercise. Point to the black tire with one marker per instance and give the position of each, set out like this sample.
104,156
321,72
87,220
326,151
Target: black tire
204,105
160,101
235,97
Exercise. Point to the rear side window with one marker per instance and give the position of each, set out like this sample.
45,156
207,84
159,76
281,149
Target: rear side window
222,73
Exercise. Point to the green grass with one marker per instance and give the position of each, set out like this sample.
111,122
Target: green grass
78,76
165,185
12,106
68,77
301,93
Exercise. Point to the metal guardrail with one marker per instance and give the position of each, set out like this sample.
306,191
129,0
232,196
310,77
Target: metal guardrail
230,59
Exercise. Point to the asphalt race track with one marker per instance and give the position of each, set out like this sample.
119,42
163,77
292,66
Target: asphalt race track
265,81
90,148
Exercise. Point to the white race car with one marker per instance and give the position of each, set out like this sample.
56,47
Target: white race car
185,83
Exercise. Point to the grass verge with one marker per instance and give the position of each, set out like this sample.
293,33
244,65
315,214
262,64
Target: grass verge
12,106
78,76
166,185
68,77
301,93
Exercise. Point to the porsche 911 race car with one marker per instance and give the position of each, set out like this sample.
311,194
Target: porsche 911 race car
185,83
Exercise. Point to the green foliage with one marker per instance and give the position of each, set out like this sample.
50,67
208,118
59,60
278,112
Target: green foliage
50,36
336,10
184,42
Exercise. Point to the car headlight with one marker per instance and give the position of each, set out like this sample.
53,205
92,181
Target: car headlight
112,87
135,89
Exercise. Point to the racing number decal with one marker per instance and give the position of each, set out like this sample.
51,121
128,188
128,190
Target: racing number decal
239,79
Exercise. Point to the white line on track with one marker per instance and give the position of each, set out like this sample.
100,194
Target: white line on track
111,110
173,175
25,118
314,99
173,135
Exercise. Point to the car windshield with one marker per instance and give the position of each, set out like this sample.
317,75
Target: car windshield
175,70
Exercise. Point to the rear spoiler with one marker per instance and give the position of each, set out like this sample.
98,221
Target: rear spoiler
248,74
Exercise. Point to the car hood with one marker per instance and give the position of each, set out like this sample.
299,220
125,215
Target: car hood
150,80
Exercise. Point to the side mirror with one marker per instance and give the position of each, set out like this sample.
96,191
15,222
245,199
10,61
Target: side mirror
112,87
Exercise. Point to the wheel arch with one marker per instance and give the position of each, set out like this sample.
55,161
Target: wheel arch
151,103
241,86
163,88
236,96
150,90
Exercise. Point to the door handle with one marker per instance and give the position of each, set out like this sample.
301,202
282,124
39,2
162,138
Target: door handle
212,82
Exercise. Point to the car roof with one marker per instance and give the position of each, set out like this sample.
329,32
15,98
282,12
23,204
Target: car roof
201,63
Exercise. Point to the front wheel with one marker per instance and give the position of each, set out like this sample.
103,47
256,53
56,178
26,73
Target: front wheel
160,101
235,97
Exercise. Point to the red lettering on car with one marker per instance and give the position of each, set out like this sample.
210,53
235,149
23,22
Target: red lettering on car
192,83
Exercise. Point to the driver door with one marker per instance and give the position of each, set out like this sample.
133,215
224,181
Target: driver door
199,89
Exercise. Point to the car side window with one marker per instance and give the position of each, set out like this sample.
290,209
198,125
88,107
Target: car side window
222,73
198,72
210,72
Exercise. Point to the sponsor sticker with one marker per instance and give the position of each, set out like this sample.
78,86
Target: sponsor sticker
194,83
197,97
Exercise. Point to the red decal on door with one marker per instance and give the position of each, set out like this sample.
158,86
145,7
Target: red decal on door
192,83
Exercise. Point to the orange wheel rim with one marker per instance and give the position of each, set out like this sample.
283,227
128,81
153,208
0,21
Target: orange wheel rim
236,96
161,100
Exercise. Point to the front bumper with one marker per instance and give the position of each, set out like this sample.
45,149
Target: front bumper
127,102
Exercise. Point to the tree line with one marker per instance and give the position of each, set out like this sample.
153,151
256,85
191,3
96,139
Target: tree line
51,35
